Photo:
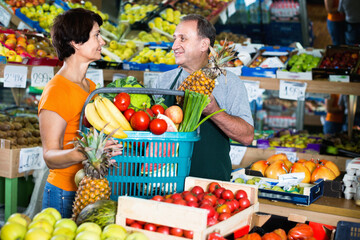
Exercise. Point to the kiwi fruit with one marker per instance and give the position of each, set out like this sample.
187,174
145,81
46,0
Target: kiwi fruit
3,134
17,125
5,126
22,141
29,126
21,133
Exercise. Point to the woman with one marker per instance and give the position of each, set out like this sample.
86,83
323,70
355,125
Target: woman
335,22
77,41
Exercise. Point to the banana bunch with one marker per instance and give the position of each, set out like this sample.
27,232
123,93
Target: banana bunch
103,112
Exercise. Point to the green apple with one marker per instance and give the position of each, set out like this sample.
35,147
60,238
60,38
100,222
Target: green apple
37,234
47,216
88,235
277,188
61,237
256,179
239,180
43,224
137,236
67,223
89,227
53,211
250,181
119,233
13,231
64,231
19,218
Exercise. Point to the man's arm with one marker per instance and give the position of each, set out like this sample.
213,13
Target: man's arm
234,127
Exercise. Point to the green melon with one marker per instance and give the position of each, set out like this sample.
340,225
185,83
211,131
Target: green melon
102,212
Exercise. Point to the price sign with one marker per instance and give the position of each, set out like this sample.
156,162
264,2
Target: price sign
248,2
339,78
15,76
31,159
5,16
96,75
231,8
40,76
150,79
236,154
252,88
23,26
290,155
292,90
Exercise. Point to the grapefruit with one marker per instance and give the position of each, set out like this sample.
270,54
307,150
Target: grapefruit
170,124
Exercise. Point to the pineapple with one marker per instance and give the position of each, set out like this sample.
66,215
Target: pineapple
93,186
203,80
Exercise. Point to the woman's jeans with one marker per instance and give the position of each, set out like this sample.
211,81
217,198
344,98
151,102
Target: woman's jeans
59,199
337,31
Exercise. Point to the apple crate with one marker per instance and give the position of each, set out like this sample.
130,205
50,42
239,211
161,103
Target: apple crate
311,191
184,217
9,160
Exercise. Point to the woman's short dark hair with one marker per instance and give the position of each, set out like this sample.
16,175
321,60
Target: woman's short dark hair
204,27
73,25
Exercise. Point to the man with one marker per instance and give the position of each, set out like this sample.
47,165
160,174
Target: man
351,9
211,159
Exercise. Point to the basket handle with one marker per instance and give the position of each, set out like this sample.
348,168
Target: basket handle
152,91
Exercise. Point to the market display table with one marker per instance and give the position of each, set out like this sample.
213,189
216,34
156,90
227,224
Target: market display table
325,210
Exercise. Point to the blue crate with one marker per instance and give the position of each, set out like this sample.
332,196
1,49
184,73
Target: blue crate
258,72
3,60
347,230
33,24
152,164
62,4
162,67
161,44
135,66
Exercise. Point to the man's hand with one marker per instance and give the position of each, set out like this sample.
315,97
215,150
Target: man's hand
211,107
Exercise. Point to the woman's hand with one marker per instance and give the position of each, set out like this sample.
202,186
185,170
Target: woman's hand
113,148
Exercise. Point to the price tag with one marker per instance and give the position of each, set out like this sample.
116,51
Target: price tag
223,16
248,2
150,79
5,16
23,26
15,76
96,75
40,76
339,78
31,159
236,154
292,90
252,88
231,8
290,155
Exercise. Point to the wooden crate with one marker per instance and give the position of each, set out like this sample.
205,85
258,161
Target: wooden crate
9,160
184,217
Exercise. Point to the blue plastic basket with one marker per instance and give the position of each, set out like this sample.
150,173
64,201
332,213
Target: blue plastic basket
347,230
150,164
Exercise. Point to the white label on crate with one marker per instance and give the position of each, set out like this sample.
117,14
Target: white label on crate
248,2
31,159
235,70
339,78
290,155
23,26
236,154
223,16
96,75
292,90
15,76
231,8
117,76
150,79
5,16
40,76
252,88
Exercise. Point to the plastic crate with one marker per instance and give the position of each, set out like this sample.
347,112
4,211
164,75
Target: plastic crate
150,164
347,230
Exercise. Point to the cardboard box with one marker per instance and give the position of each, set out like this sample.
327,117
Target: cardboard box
185,217
9,160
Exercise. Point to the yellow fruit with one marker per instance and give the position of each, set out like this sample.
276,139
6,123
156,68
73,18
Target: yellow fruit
37,234
43,224
19,218
12,231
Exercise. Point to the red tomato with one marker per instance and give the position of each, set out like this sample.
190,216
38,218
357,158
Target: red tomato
192,204
211,197
224,216
218,192
235,203
220,201
150,227
180,201
231,205
240,194
212,221
86,122
136,225
223,209
158,126
188,234
128,113
213,186
122,101
206,201
176,196
197,190
211,210
200,196
157,108
184,193
150,112
129,221
142,223
190,198
168,200
163,230
227,194
244,203
158,198
140,121
176,232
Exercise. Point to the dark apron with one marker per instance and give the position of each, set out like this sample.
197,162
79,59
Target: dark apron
211,154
